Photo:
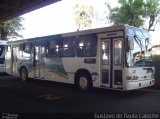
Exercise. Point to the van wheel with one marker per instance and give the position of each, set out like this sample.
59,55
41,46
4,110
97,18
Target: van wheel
24,74
83,81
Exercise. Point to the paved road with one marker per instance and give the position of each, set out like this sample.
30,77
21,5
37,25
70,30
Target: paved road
41,97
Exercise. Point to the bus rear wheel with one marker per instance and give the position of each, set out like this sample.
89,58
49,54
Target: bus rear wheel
24,74
83,82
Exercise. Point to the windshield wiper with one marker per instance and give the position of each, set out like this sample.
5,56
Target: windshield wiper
138,41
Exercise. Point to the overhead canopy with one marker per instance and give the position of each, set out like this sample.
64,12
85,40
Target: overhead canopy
13,8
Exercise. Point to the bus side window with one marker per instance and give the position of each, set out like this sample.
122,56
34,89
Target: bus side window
87,46
68,47
53,49
25,50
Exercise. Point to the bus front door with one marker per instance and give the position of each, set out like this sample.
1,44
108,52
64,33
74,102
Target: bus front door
111,62
117,67
39,68
105,63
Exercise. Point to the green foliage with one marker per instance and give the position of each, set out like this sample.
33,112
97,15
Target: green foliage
10,28
156,61
157,74
133,12
156,57
83,16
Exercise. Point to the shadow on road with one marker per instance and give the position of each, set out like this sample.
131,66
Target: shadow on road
69,88
103,93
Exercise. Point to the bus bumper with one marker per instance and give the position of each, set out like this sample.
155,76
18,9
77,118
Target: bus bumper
131,85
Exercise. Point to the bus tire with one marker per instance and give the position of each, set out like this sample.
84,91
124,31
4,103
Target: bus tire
83,81
24,74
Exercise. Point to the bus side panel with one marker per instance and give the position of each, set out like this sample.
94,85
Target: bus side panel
64,69
52,70
72,65
55,71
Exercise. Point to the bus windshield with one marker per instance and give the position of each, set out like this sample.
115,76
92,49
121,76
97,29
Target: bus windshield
139,48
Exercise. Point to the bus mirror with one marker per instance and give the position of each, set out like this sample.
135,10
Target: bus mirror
131,43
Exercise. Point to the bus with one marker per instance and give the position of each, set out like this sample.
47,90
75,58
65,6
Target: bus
2,56
114,57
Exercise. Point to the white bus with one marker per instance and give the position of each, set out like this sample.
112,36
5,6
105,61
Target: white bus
115,57
2,55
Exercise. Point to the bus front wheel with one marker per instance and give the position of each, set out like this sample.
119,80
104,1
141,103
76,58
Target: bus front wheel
24,74
83,81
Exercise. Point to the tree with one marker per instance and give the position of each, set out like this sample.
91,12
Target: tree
135,12
9,29
83,16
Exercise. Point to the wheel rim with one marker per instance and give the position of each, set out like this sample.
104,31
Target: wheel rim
83,82
23,74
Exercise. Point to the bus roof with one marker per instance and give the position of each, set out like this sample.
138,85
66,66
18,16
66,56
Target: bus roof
97,30
76,33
